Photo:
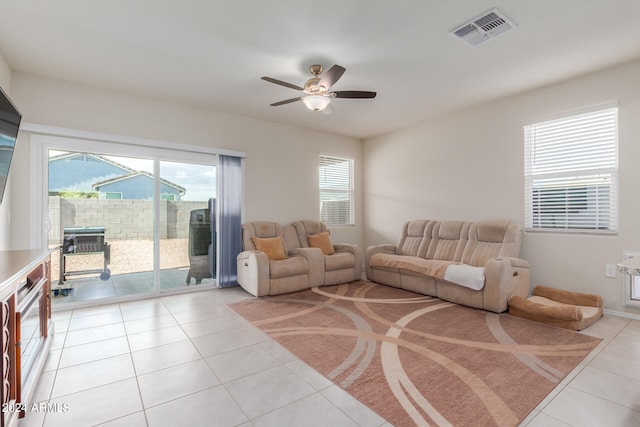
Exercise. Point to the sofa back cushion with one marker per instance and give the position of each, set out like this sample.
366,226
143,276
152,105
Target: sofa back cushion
265,230
260,229
492,239
448,239
415,238
307,228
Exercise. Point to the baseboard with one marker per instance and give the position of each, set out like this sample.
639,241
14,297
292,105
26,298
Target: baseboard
621,314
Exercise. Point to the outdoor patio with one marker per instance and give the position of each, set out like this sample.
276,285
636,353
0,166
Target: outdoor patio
131,268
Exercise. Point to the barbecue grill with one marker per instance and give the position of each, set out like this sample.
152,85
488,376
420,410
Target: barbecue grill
79,241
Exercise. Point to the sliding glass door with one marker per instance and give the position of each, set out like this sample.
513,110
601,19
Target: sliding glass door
129,224
187,251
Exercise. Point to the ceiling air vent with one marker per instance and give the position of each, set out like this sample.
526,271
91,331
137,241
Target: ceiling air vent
483,27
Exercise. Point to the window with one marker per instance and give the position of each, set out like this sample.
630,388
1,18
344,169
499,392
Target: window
336,190
113,195
571,170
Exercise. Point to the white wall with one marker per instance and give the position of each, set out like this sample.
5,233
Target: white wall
281,164
5,84
469,166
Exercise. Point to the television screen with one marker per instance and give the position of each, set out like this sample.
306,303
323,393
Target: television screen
9,123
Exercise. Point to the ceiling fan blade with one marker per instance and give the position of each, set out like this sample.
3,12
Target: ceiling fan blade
286,101
281,83
354,94
332,75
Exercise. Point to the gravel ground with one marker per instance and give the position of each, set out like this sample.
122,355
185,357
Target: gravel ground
127,256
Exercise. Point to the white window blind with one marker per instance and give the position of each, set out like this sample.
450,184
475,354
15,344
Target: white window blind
571,173
336,190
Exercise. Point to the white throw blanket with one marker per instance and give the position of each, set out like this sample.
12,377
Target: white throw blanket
465,275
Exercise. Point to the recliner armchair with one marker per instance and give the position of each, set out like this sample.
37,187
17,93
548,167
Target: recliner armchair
279,259
299,268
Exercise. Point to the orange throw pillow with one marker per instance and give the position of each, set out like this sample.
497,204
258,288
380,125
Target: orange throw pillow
272,246
322,241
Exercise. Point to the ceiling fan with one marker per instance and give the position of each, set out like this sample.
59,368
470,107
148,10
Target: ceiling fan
317,94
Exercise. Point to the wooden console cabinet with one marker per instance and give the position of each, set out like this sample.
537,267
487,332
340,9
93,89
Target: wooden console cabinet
25,310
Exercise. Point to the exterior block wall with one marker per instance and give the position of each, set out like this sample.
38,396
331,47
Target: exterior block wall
122,219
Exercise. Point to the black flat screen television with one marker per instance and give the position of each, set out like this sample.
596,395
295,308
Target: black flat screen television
9,123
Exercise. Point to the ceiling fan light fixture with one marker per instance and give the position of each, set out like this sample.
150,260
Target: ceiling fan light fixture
316,102
316,93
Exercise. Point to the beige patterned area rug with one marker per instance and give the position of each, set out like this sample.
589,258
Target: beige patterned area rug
417,360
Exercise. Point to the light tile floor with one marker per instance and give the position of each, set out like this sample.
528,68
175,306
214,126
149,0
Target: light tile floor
189,360
85,289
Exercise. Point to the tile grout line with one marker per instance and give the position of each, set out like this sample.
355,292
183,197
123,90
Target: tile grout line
135,371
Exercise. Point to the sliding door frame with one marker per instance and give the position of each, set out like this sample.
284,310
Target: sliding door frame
44,138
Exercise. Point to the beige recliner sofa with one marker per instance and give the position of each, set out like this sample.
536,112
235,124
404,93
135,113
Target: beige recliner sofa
469,263
293,265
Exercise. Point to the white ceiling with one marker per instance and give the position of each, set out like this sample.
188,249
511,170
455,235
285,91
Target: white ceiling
212,53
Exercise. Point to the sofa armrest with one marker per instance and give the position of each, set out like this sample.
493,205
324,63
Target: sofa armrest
516,262
357,254
253,272
372,250
315,258
343,247
504,277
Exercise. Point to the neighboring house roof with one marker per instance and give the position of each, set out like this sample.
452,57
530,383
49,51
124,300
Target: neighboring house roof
97,185
95,156
78,171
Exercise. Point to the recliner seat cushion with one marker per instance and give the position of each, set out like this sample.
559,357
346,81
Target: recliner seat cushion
339,261
291,266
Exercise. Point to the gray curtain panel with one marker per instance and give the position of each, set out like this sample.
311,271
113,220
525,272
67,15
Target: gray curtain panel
230,227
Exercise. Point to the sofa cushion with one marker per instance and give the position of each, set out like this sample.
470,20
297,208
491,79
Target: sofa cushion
492,239
261,229
306,227
491,231
415,238
292,266
448,239
322,241
272,246
428,267
339,261
266,229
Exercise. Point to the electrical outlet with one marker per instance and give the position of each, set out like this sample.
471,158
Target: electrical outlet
610,270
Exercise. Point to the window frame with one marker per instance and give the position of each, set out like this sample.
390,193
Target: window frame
350,192
575,187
